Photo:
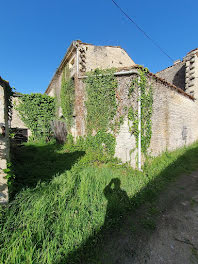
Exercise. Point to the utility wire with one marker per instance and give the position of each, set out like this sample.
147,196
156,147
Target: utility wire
138,27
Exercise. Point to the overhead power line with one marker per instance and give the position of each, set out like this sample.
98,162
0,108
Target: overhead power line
140,29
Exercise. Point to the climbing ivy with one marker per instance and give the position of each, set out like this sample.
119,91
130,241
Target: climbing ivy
9,91
102,142
36,111
67,96
10,176
101,100
101,109
146,110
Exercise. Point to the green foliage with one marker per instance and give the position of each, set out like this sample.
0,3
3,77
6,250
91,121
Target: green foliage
146,110
57,105
148,223
66,211
8,99
102,142
36,111
67,96
101,101
10,176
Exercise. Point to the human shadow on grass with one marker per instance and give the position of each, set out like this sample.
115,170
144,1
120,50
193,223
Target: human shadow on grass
117,198
32,164
120,206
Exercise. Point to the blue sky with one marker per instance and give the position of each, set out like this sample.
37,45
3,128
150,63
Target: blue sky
36,34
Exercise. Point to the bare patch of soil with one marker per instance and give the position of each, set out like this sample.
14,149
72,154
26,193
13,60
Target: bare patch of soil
161,232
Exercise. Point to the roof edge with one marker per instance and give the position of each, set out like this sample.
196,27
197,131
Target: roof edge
170,67
63,61
161,80
73,44
6,83
158,79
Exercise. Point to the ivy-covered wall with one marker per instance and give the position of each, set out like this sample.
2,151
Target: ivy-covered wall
163,115
102,103
172,121
127,96
37,112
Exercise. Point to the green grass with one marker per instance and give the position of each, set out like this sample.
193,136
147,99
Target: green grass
63,203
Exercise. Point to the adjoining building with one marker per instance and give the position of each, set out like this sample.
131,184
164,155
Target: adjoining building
20,130
175,92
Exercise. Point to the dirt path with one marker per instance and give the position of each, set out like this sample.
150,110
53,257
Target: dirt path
163,232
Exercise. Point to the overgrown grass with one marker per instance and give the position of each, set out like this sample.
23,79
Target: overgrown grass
63,202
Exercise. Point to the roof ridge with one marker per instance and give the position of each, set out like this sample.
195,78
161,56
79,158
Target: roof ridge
84,43
170,67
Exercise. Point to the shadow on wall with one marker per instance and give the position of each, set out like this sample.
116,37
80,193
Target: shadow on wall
120,205
33,164
179,78
3,188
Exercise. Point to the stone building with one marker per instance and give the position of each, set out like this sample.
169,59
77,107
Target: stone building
21,131
175,90
4,139
83,57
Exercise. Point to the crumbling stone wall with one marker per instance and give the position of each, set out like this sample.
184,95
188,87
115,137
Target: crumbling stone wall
4,142
174,123
174,118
